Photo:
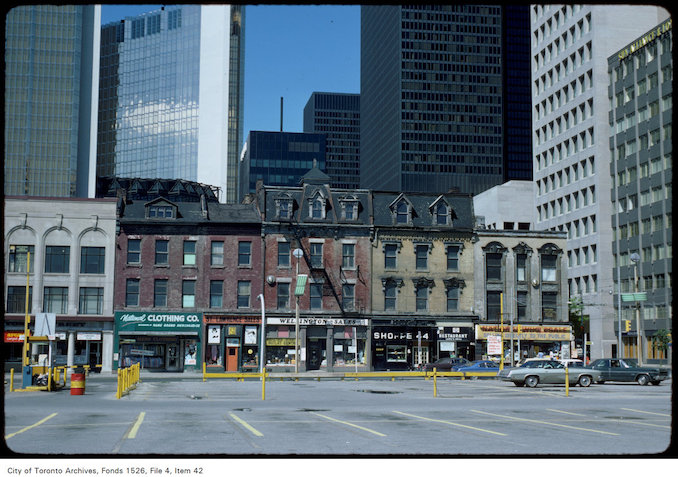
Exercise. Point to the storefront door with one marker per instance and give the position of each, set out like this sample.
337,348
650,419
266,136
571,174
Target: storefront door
172,360
420,356
232,347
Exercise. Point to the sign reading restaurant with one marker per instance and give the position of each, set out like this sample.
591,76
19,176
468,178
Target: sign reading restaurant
127,322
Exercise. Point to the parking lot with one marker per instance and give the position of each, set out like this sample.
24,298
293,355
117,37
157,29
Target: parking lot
184,416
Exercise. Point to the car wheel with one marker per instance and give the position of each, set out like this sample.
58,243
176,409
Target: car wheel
584,381
656,383
643,379
532,381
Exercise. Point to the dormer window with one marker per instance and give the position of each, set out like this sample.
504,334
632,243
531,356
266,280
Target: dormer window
442,212
317,205
284,207
349,208
402,213
402,210
161,209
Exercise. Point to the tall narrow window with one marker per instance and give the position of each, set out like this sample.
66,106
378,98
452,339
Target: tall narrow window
57,259
283,296
402,213
133,251
160,292
421,298
549,303
348,256
390,252
217,253
493,266
216,293
421,252
132,292
348,296
316,293
521,305
244,292
244,254
521,267
189,252
453,257
188,294
162,252
548,268
316,254
453,299
390,291
283,254
441,214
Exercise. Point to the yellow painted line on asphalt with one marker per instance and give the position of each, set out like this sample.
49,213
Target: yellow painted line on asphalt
643,423
450,423
349,424
545,422
646,412
246,425
135,428
41,421
566,412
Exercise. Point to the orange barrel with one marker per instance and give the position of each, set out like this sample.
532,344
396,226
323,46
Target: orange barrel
77,384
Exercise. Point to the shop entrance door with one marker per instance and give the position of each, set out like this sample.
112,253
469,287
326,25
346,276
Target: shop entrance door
232,347
420,356
172,359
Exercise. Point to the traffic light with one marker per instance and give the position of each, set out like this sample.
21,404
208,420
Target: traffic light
627,325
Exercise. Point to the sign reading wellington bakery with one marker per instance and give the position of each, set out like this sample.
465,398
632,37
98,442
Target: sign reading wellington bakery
127,322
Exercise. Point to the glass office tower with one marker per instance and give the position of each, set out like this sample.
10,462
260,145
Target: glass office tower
433,98
171,96
51,76
337,115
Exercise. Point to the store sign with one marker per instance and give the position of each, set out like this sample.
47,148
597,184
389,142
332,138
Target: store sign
397,335
280,342
14,337
309,321
455,333
526,332
168,321
85,336
494,344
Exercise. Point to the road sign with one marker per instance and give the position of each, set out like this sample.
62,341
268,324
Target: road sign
640,296
301,285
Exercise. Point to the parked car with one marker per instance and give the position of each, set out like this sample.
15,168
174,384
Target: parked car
504,372
478,366
445,364
533,373
578,363
627,370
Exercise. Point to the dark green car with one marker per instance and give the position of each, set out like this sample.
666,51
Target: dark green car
627,370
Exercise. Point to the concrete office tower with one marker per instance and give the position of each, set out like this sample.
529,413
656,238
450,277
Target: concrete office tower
641,91
51,77
571,111
170,101
337,115
433,96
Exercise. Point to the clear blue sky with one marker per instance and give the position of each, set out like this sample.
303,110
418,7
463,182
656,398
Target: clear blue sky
290,51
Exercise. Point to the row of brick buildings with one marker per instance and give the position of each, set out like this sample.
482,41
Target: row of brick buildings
162,273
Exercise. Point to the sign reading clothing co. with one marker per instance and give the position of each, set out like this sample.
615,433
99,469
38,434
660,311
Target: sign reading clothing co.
126,321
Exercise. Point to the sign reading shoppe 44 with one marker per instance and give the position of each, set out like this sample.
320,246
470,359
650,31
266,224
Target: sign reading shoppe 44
139,321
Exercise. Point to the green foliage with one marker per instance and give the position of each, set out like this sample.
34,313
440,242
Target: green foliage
661,340
578,319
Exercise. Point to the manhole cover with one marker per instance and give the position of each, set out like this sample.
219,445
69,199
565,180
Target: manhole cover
243,409
312,410
374,391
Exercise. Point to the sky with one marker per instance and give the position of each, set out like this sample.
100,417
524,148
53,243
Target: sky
290,52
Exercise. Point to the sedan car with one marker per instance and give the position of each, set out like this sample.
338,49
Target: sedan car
533,373
627,370
445,364
478,366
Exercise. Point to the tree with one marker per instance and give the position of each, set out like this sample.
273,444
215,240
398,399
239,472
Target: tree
661,340
578,320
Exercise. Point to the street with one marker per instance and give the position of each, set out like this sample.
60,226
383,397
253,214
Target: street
184,416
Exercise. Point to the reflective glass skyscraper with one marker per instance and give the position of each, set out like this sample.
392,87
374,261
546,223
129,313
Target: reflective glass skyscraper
170,100
51,74
433,93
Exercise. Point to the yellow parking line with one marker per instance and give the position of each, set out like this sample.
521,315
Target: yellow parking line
643,423
645,412
566,412
31,426
545,422
350,424
450,423
245,425
135,428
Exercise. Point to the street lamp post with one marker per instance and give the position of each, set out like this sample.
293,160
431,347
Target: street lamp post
262,348
298,253
635,258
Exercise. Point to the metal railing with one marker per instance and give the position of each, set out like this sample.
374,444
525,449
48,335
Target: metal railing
127,380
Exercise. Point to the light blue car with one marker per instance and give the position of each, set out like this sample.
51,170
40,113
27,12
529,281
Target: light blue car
478,366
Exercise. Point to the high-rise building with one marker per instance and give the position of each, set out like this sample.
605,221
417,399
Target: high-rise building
440,87
641,78
571,110
337,115
170,100
279,158
51,77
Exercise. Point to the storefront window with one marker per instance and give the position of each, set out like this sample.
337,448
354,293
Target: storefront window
396,353
345,352
213,356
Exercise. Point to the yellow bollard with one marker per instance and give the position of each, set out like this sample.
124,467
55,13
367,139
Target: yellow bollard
567,381
263,385
11,380
435,382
